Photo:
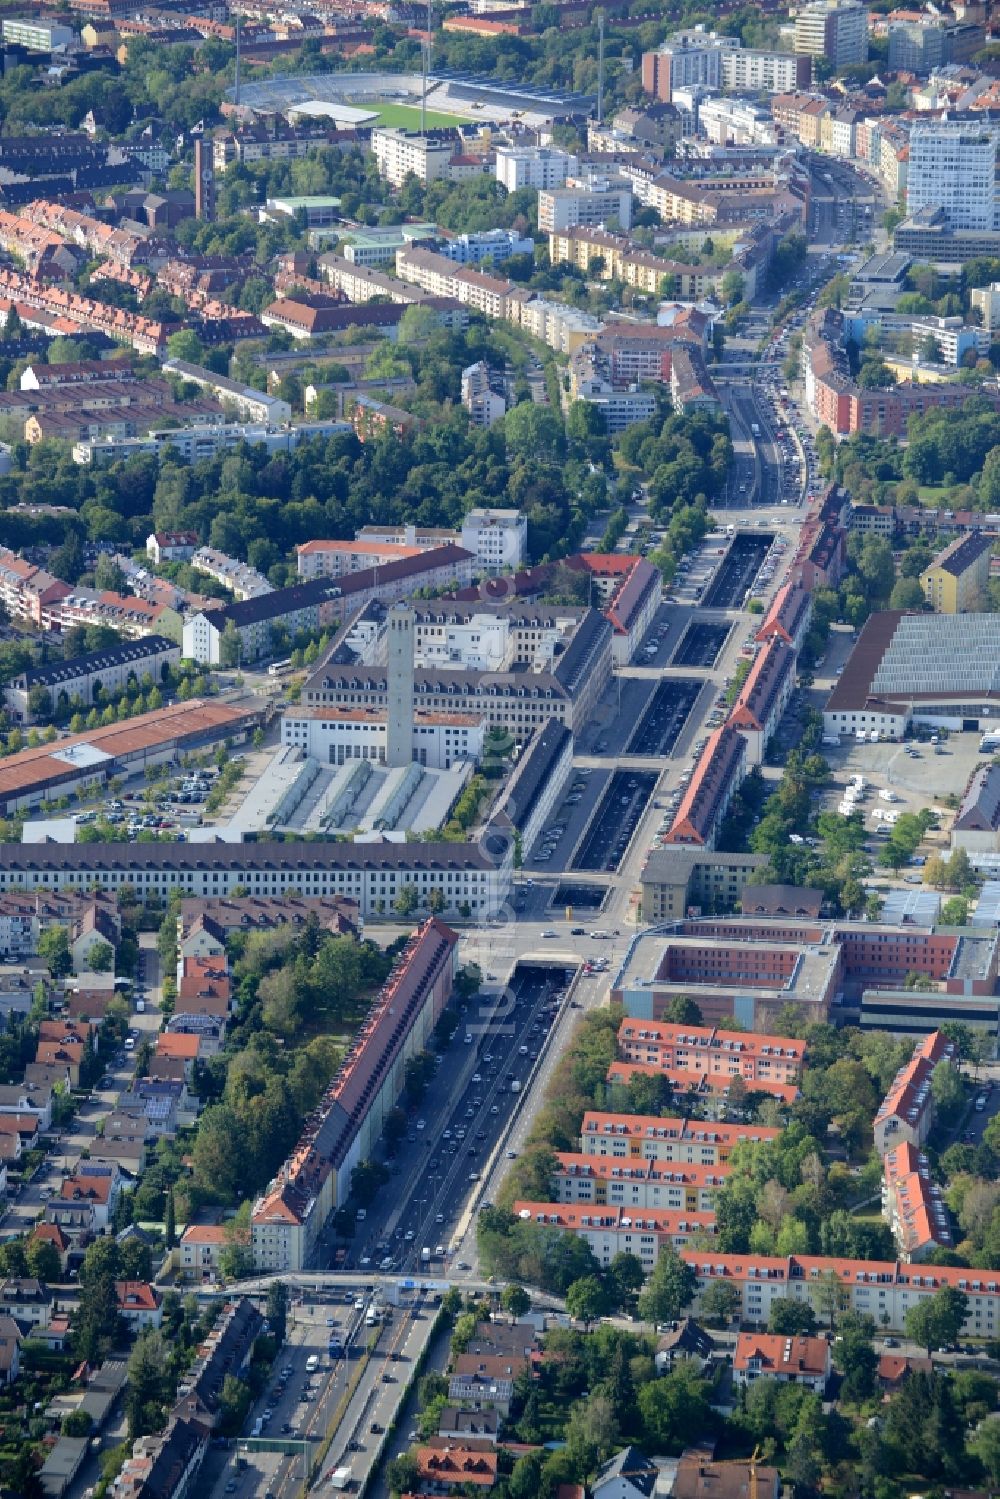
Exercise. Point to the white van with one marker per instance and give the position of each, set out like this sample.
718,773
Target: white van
312,1363
258,1427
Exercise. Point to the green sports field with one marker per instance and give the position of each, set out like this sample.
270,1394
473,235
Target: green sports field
406,117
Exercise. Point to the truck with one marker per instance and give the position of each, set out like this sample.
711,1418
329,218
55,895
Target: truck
515,1086
425,1255
312,1363
340,1478
754,429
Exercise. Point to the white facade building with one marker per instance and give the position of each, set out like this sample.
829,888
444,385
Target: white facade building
37,35
591,203
497,538
401,152
541,167
334,736
953,165
763,72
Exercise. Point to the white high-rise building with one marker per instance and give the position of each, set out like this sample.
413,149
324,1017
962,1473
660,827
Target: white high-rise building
953,165
541,167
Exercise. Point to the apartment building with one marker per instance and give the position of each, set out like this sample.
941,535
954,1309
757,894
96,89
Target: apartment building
250,405
913,1204
498,539
315,604
906,1113
750,70
402,153
485,405
610,1230
289,1217
764,696
688,1142
834,29
788,617
686,58
636,1183
759,1060
107,671
543,168
957,581
589,203
884,1290
195,443
718,773
37,35
340,559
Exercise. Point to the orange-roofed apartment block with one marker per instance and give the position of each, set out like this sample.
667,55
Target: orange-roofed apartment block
610,1230
636,1183
913,1204
652,1138
906,1113
769,1064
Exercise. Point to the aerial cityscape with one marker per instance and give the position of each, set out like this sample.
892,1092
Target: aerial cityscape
499,750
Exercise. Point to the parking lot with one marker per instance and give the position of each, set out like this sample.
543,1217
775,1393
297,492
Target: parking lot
658,730
616,819
738,570
701,644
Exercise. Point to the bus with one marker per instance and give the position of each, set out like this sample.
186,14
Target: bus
277,668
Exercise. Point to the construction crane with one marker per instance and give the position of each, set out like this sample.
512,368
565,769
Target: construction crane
750,1462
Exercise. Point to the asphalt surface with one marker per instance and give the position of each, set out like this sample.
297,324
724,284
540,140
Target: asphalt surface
666,714
616,820
700,645
738,570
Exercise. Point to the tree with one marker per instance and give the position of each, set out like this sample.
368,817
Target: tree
955,912
720,1302
855,1356
515,1301
101,957
587,1300
407,900
682,1010
148,1388
43,1260
230,645
624,1278
947,1089
907,594
53,949
276,1310
829,1296
675,1407
76,1424
670,1288
937,1320
791,1318
984,1444
402,1474
186,345
169,1226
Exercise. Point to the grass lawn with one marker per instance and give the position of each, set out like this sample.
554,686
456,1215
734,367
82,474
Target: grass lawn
934,495
405,117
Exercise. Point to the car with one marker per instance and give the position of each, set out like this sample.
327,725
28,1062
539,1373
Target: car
388,1378
548,935
231,1486
375,1429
